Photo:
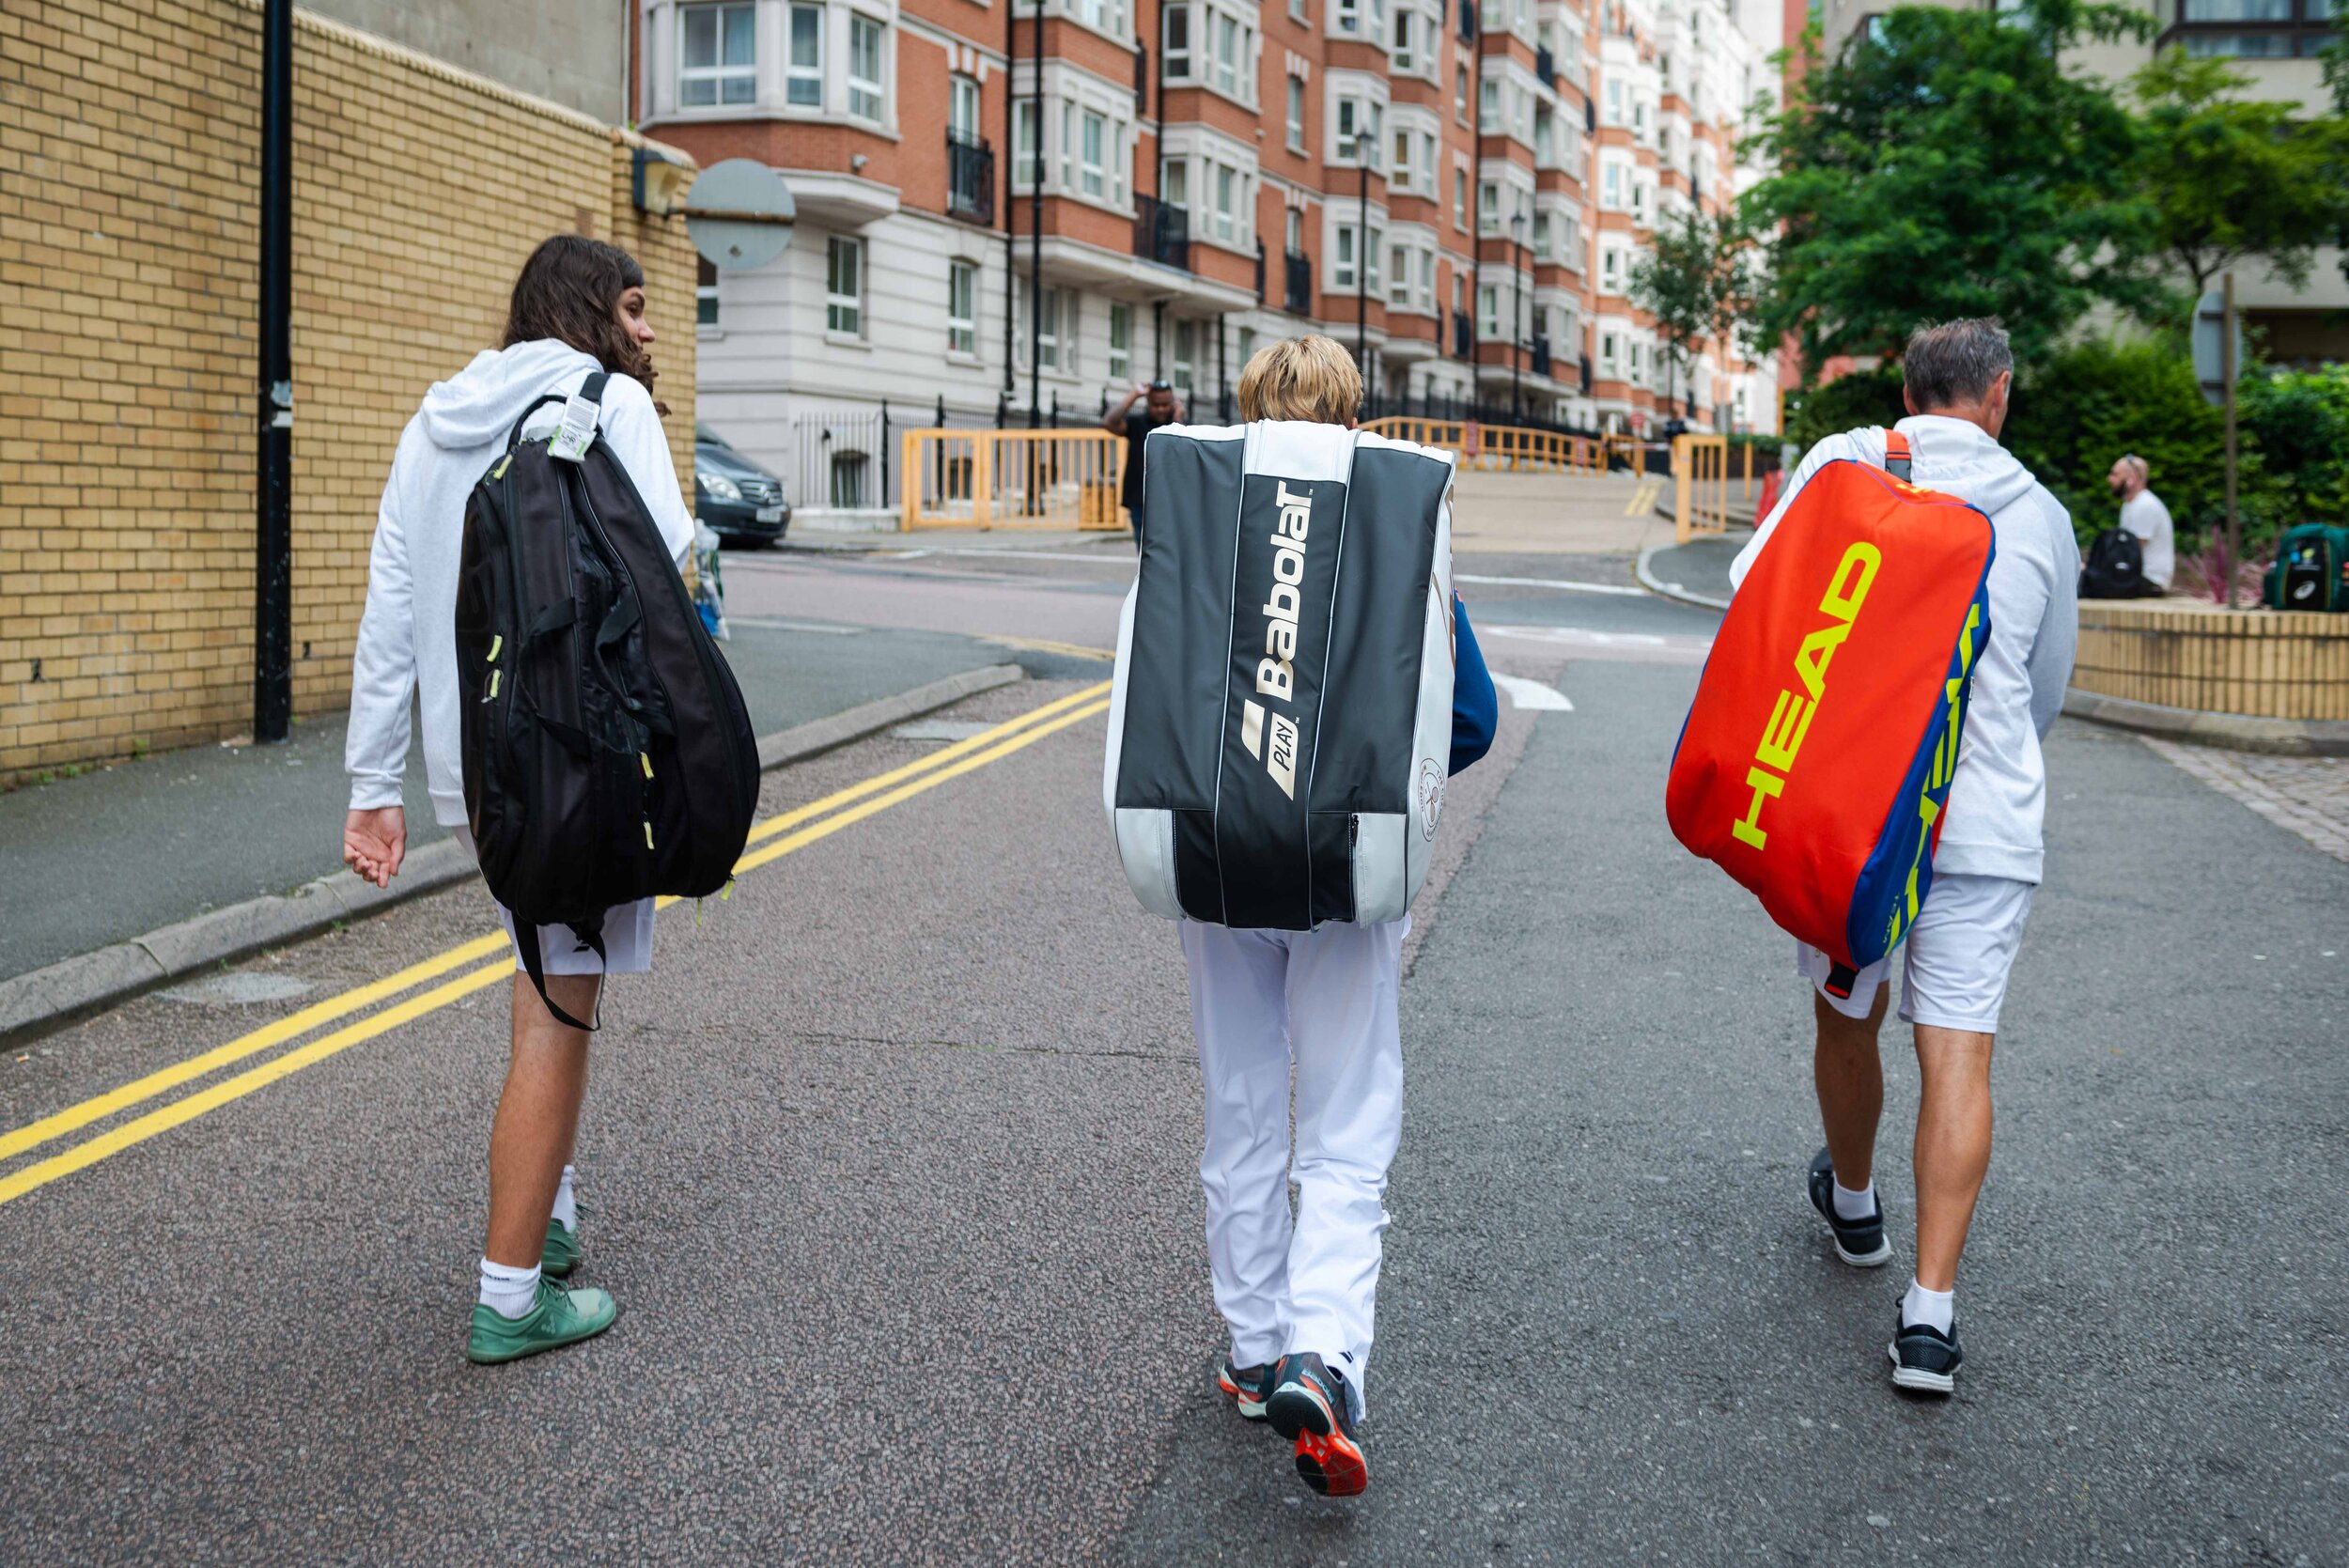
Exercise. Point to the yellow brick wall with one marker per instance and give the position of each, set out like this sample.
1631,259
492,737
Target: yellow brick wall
129,202
2264,663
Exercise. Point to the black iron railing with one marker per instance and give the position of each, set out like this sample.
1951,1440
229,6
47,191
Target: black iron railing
1162,233
1545,66
1297,298
969,178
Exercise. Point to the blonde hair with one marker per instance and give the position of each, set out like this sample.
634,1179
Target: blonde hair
1310,378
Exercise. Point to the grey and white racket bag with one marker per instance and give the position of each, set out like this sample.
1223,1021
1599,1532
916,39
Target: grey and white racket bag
1281,723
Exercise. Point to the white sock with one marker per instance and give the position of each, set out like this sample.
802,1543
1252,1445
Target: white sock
1936,1308
508,1292
566,1201
1855,1206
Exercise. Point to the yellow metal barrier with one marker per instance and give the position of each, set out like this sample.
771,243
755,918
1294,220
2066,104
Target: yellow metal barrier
1059,479
1699,486
1501,448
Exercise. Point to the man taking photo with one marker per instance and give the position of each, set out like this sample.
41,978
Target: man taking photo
1159,407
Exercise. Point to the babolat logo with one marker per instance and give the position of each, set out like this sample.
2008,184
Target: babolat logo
1790,721
1276,671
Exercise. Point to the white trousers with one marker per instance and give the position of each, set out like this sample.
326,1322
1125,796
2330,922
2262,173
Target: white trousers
1325,999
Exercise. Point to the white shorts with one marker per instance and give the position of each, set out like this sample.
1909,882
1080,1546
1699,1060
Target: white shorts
627,935
1958,957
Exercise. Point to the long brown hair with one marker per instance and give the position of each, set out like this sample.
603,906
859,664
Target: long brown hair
570,290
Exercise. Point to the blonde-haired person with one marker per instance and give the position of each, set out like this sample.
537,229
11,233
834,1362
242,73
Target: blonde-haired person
1298,1298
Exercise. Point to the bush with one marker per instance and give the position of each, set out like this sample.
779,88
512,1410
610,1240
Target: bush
1845,403
2299,421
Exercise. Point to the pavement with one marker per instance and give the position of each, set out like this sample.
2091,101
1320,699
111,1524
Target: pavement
890,1165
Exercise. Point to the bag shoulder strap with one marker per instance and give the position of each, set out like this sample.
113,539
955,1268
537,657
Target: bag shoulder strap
1896,456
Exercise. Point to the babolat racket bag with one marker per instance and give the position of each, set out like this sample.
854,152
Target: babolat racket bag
1281,723
1817,757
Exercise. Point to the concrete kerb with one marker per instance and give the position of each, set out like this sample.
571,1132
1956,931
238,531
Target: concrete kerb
1648,580
46,999
2298,738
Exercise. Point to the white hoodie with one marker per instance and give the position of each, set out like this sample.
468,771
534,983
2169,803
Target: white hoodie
408,637
1999,795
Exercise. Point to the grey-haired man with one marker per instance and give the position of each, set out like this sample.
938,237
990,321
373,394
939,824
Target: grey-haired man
1959,376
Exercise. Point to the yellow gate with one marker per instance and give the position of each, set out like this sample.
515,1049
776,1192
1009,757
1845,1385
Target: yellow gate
1058,479
1501,448
1699,486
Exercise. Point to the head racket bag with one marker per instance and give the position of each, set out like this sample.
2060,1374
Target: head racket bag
1817,756
1281,723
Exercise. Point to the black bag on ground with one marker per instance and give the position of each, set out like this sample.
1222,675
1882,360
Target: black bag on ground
608,754
2116,567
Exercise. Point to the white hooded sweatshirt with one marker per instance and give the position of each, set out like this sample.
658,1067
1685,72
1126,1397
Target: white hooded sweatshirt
1998,798
408,637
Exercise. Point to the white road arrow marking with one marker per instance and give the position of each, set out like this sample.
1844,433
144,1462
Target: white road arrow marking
1532,695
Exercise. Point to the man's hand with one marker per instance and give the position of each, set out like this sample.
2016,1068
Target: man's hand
375,842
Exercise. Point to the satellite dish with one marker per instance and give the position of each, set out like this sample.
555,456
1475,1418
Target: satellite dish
740,214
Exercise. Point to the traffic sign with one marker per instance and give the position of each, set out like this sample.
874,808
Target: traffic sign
740,214
2210,345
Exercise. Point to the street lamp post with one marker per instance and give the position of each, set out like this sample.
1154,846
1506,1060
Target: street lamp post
1362,255
1517,310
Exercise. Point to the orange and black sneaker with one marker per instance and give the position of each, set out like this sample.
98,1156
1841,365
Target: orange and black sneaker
1248,1387
1309,1406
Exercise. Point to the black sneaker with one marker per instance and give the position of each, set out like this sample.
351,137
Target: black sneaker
1858,1242
1308,1405
1247,1386
1924,1360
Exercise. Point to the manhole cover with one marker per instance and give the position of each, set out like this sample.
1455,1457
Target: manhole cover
941,729
238,988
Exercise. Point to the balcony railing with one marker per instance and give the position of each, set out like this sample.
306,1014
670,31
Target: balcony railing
1545,66
1541,354
1459,335
1298,296
1586,375
1162,233
1260,295
969,178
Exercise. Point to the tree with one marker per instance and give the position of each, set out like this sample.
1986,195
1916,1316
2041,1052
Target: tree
2228,180
1697,280
1945,165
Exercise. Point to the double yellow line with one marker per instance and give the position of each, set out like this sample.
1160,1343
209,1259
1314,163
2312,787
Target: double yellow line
770,840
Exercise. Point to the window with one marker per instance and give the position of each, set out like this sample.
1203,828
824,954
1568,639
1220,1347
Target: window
1023,143
1427,280
1058,331
1610,271
1174,183
1459,93
1610,185
1186,354
1121,365
844,286
1094,182
1541,236
1400,46
1226,202
1350,15
1488,107
1297,10
1615,104
1174,48
962,308
1226,55
1247,345
1297,114
1488,208
1606,354
717,59
1398,275
1294,235
1487,310
1342,269
864,68
1067,145
803,59
705,293
1402,163
1358,130
962,108
1638,201
1426,180
1459,198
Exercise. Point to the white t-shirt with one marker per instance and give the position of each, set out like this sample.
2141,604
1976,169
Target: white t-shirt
2144,516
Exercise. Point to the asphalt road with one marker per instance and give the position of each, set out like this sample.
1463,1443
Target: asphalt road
891,1166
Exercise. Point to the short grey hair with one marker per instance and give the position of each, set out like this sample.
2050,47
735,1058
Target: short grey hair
1956,362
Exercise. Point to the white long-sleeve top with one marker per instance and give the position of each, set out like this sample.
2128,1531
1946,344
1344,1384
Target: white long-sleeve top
408,636
1998,798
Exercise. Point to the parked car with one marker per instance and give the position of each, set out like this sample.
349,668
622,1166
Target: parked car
741,501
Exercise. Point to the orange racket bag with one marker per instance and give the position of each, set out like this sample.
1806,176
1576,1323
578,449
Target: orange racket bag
1817,759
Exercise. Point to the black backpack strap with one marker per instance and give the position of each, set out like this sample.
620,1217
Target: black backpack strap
534,966
592,388
1839,977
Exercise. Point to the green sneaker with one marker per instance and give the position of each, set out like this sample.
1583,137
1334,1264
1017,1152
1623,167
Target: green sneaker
562,1251
557,1318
